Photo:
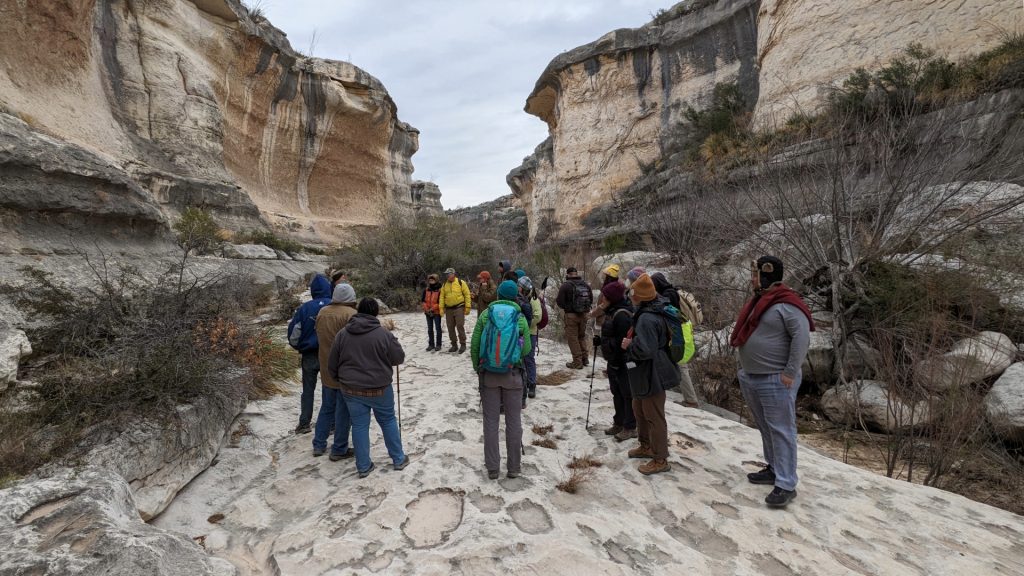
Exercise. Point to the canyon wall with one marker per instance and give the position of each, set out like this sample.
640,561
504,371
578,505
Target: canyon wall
182,103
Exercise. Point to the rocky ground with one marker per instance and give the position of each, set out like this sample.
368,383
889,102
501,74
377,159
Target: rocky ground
269,507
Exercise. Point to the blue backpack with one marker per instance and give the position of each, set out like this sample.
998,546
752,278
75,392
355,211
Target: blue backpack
501,347
677,340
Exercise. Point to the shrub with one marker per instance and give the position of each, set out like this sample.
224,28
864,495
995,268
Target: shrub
272,240
197,230
572,484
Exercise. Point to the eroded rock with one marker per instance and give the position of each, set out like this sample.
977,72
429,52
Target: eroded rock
869,404
971,360
1004,404
14,346
249,252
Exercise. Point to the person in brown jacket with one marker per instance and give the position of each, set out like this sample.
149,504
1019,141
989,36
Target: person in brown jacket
333,411
486,293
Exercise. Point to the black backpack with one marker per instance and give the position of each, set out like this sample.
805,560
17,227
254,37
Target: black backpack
582,297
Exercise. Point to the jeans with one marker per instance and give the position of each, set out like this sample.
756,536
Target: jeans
497,390
651,427
774,409
434,326
622,397
383,408
530,362
332,411
310,371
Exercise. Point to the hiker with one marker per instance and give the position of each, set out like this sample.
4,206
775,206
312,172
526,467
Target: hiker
654,373
302,337
528,300
772,334
504,267
431,309
618,319
454,304
500,341
575,298
333,414
609,275
361,362
671,293
520,274
632,275
338,277
486,293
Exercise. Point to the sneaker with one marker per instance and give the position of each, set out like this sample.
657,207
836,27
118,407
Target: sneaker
779,498
492,474
365,473
625,435
401,465
764,476
317,452
512,474
453,349
574,365
615,429
437,348
641,451
531,393
303,429
345,456
654,467
462,349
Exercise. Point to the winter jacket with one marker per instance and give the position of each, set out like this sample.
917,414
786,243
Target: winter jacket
526,308
455,294
331,320
486,294
430,299
618,319
567,292
655,372
478,330
363,355
302,328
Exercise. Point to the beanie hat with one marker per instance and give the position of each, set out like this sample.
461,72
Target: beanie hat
368,306
635,273
508,290
526,284
643,289
344,292
770,270
520,272
612,270
485,276
614,292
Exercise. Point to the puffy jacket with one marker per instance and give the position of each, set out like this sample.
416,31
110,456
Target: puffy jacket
331,320
655,372
302,328
431,299
538,315
363,354
454,294
478,330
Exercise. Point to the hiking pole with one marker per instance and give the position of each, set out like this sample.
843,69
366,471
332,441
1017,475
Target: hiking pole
590,396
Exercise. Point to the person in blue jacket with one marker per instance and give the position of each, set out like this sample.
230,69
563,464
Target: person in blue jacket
302,337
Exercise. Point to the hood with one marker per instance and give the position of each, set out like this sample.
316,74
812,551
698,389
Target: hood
434,286
506,265
362,324
661,283
656,305
320,287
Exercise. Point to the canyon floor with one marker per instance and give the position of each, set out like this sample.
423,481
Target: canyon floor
269,507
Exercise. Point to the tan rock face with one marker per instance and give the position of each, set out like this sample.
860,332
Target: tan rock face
201,104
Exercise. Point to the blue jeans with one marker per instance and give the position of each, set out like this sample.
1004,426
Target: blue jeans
383,408
530,362
434,325
310,370
333,410
774,409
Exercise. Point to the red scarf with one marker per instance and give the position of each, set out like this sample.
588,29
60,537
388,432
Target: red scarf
750,316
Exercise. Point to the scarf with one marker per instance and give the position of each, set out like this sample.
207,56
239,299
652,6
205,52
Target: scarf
750,316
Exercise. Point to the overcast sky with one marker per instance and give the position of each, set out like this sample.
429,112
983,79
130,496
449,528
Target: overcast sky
459,70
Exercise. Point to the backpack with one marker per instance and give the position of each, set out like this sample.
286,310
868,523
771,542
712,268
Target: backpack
690,307
543,315
677,339
501,346
608,350
582,298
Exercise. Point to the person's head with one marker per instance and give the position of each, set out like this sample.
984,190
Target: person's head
510,275
368,306
661,283
643,290
572,272
610,273
344,293
614,292
338,276
765,272
526,285
504,266
508,290
520,273
633,274
450,274
432,279
484,276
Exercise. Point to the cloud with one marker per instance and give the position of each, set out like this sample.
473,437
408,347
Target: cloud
459,70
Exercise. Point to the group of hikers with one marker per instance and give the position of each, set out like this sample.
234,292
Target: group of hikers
643,326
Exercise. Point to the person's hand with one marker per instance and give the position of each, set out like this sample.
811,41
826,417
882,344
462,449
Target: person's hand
597,341
787,381
626,342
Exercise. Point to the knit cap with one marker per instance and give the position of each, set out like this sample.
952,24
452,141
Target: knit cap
344,293
612,270
614,292
485,276
635,273
508,290
525,283
643,289
520,272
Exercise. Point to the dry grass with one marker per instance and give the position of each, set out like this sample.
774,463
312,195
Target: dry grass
585,462
216,518
554,379
576,479
545,443
240,431
542,430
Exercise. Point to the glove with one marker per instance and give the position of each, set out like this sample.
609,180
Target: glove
597,341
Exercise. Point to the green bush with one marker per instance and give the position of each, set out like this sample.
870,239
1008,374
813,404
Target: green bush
272,240
197,230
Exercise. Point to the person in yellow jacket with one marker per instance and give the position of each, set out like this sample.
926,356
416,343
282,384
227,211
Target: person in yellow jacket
454,305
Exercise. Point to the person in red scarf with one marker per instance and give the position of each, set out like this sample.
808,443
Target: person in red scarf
772,335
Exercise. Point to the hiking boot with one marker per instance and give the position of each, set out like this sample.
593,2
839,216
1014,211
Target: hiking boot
401,465
430,348
303,429
586,362
365,473
654,467
625,434
524,403
574,365
317,452
691,404
512,474
779,498
462,349
492,474
348,454
531,393
453,349
763,476
641,451
615,429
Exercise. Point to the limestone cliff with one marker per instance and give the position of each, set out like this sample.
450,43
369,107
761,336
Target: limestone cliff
189,102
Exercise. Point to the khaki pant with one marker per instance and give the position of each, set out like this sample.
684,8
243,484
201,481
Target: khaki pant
456,318
686,385
651,428
576,336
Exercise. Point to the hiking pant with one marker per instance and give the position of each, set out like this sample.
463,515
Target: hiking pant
576,336
495,390
774,409
651,428
686,385
456,318
333,415
383,408
434,326
310,371
530,363
622,397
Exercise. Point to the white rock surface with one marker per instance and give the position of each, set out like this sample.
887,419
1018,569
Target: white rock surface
628,260
818,363
14,346
1004,404
286,512
248,251
868,403
971,360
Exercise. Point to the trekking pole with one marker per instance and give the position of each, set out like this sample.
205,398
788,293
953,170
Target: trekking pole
398,389
590,395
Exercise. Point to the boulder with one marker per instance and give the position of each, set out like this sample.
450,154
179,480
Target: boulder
84,522
862,360
248,251
14,346
628,260
817,366
710,343
868,403
971,360
1004,404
